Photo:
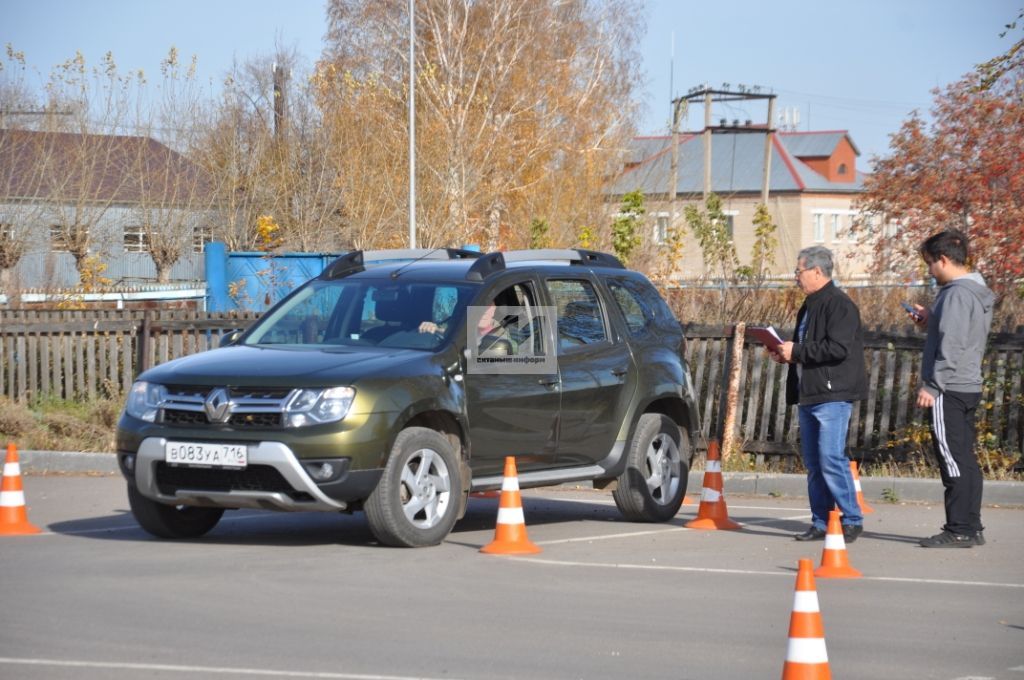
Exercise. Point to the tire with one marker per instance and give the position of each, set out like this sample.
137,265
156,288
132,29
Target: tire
171,521
653,485
416,502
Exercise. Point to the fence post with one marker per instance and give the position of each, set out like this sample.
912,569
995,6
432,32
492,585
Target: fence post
734,359
142,361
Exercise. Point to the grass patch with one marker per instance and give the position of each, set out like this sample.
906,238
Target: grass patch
60,425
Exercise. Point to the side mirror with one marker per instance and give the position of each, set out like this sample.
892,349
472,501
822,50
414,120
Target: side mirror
231,338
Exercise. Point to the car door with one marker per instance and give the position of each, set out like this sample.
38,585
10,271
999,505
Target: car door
510,413
596,370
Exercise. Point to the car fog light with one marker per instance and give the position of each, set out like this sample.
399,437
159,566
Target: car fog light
323,471
128,463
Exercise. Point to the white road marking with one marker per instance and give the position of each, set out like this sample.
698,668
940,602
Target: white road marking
220,670
751,572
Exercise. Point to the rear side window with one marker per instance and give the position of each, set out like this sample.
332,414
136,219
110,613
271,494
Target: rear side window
636,298
580,321
635,310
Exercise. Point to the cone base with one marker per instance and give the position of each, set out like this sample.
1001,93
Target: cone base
710,524
510,548
19,529
866,509
806,671
837,572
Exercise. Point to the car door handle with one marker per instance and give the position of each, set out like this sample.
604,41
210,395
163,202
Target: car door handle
619,372
548,382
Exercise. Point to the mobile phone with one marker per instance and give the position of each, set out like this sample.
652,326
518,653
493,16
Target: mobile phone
911,311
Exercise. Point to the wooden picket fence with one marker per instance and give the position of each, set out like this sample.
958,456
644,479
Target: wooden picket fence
76,354
884,424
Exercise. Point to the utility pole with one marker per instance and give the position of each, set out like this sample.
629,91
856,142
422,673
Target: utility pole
280,104
412,123
768,138
707,143
678,111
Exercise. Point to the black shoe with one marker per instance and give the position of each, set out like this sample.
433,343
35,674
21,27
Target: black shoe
979,538
812,534
851,532
949,540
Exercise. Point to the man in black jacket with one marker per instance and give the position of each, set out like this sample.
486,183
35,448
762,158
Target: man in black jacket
826,375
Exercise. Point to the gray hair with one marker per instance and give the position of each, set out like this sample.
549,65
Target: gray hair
816,256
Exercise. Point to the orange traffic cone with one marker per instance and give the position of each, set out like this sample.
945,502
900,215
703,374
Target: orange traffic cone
13,517
834,563
864,507
806,656
712,513
510,533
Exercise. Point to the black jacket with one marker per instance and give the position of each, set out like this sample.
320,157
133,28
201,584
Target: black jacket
832,353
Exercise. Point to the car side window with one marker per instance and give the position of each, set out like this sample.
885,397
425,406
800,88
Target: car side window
635,310
580,320
512,316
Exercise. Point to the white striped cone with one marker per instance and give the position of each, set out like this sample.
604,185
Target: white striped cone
834,562
712,513
806,656
865,509
13,516
510,533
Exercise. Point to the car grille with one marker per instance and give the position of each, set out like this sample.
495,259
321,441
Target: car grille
254,407
171,478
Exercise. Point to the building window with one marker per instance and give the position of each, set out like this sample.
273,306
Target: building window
842,168
57,241
837,228
819,228
136,239
661,226
200,237
730,223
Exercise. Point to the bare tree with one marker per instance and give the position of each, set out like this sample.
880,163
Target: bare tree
521,105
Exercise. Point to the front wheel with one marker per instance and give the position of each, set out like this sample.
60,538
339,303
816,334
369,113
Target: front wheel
653,485
171,521
416,500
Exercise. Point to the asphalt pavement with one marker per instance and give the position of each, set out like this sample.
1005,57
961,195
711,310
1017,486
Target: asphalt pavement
311,595
882,489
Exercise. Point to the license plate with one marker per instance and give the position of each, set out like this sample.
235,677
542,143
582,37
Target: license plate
206,454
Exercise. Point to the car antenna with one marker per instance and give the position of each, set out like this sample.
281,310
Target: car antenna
394,274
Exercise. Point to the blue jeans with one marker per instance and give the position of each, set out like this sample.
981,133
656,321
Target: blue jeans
823,430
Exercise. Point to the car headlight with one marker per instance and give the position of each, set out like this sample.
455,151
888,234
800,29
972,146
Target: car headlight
145,400
315,407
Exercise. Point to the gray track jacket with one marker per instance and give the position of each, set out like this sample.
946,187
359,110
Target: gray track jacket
958,326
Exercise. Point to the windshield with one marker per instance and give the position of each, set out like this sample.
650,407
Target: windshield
365,313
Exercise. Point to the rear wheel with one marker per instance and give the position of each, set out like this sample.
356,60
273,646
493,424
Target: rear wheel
416,501
654,483
171,521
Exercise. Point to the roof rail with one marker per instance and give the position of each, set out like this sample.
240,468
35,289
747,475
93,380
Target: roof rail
370,256
570,255
348,263
485,266
357,260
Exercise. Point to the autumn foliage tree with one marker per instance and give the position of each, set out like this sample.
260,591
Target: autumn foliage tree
964,170
521,106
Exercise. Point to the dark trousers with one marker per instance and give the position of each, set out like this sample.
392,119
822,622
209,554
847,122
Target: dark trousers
953,436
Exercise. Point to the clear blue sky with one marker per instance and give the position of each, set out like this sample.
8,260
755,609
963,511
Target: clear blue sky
858,65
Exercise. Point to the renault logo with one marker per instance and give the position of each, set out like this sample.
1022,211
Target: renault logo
218,406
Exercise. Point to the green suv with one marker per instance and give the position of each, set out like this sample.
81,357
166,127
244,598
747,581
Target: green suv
396,382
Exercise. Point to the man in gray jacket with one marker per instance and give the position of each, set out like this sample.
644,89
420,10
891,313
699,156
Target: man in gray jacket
958,324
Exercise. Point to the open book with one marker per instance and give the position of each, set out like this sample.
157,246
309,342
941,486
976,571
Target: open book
765,335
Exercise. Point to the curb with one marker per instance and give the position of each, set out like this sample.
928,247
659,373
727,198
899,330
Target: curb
752,484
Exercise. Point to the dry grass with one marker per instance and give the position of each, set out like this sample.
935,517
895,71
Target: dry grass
58,425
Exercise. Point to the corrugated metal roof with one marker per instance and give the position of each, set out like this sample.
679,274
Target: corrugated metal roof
812,144
737,164
64,166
